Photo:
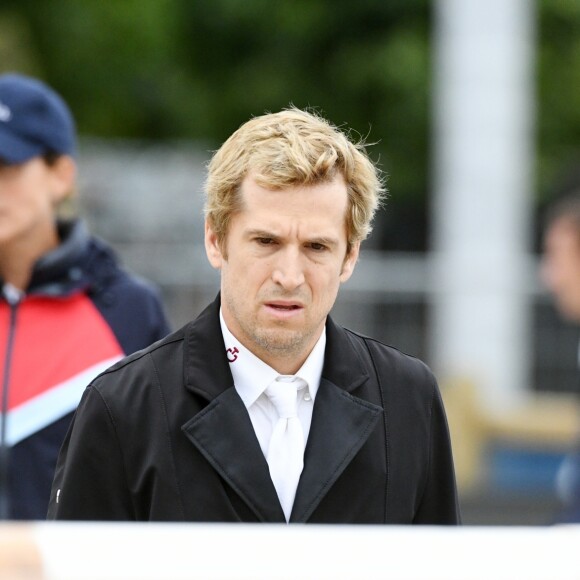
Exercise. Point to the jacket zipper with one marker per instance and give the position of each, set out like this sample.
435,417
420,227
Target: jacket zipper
13,297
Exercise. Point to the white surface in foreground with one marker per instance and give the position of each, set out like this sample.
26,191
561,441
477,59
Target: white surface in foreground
97,551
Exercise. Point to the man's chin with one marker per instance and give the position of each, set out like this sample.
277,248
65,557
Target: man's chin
280,340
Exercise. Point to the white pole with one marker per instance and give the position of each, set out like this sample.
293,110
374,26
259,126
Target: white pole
483,153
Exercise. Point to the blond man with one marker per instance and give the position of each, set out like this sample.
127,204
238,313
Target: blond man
263,409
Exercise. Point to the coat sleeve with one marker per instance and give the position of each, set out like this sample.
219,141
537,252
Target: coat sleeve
439,504
89,482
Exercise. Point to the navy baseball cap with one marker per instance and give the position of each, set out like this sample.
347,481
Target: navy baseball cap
34,120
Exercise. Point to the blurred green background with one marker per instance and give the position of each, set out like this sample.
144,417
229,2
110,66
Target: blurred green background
179,69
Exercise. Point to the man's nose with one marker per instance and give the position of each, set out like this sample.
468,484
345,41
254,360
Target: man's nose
289,269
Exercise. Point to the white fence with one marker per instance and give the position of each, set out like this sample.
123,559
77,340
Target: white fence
123,551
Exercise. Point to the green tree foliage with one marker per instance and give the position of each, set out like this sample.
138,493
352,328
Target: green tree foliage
112,61
185,69
166,69
558,109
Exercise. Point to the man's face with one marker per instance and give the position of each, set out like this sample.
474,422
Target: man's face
561,267
286,258
28,194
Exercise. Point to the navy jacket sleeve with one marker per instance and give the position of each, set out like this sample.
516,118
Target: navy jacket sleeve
133,309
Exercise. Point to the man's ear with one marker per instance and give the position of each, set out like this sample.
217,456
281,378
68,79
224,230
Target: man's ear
63,174
212,247
350,262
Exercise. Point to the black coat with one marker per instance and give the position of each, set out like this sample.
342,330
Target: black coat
164,436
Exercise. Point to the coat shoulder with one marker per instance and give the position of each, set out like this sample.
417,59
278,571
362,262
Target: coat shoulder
388,355
392,365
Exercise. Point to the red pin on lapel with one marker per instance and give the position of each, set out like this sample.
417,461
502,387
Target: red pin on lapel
232,354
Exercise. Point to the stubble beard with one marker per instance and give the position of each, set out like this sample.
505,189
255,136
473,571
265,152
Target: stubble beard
280,342
277,341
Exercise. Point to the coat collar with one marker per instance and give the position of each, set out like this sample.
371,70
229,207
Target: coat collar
206,368
341,422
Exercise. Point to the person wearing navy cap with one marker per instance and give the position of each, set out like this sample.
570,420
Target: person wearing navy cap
67,309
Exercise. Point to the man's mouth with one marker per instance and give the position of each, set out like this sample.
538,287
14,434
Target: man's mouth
285,307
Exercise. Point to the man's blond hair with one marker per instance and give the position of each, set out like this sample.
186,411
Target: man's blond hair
287,149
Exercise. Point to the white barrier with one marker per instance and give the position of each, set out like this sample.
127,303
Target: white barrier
123,551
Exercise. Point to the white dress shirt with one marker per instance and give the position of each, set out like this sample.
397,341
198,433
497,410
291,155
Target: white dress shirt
252,376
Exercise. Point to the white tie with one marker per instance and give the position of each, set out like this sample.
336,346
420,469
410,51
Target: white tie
286,450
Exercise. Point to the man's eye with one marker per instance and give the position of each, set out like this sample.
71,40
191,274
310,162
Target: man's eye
265,241
317,247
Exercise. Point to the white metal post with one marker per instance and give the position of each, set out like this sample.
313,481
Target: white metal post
482,159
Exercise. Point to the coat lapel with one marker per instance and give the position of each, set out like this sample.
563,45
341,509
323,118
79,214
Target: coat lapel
341,422
222,431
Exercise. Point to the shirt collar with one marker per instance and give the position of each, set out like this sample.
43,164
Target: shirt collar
252,375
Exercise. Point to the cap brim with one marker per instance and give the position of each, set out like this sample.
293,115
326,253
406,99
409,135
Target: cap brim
14,149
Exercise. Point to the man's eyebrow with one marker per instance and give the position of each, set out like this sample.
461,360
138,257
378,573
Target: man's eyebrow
330,242
255,233
323,240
